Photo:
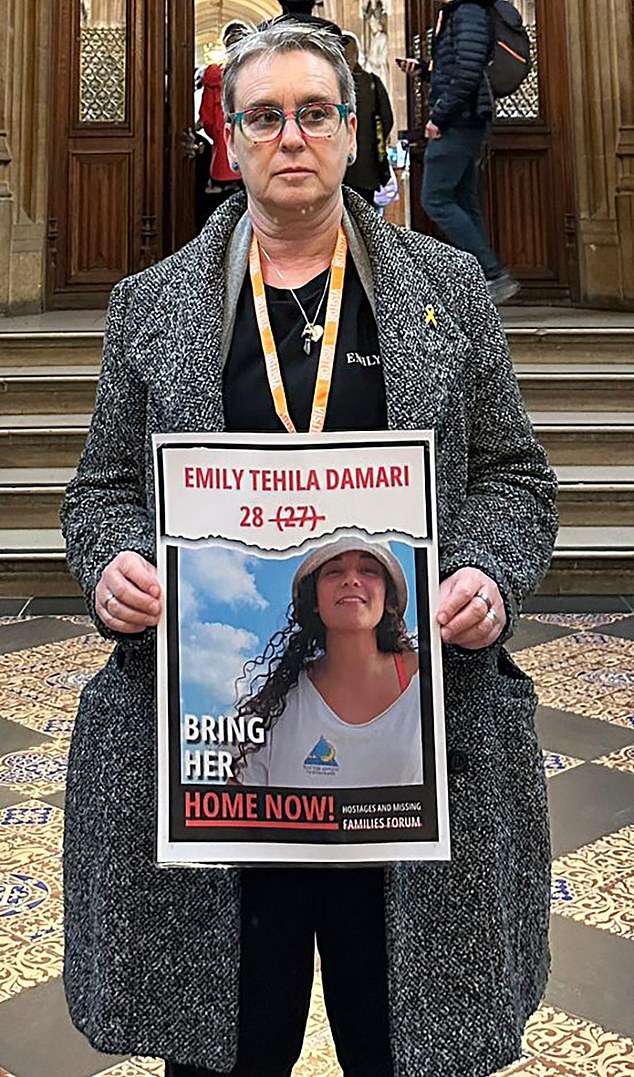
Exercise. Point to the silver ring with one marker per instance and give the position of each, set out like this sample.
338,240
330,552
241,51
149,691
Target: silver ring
109,598
485,598
492,616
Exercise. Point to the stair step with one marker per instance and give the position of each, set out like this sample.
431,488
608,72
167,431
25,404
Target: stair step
592,560
602,392
575,345
51,348
595,542
35,478
51,440
590,438
28,542
37,389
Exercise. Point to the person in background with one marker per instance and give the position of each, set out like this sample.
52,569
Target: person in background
303,11
370,170
223,180
461,109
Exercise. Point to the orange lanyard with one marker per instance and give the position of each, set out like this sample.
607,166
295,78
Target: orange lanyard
328,345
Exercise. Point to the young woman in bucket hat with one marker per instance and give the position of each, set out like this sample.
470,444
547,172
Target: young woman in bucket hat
339,698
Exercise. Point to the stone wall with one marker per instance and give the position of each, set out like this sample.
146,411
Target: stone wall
24,75
601,59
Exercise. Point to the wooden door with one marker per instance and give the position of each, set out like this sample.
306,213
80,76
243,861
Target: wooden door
107,120
528,190
181,165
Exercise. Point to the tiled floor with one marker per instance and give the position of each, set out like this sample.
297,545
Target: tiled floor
583,666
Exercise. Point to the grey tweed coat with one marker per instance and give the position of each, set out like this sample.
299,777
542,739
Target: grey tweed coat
152,954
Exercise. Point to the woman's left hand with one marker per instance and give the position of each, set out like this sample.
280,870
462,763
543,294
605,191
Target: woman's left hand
470,610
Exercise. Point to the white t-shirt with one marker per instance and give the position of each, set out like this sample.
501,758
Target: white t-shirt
310,746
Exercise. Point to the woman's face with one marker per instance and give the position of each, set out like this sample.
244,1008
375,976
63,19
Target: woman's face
351,592
293,172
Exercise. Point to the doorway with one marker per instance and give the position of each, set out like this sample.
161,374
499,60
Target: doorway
528,190
122,180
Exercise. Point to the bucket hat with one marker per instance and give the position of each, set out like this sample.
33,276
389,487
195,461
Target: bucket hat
380,550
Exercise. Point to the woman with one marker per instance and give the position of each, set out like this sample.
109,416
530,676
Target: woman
340,700
223,181
427,968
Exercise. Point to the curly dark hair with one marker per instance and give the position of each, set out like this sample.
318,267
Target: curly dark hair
297,645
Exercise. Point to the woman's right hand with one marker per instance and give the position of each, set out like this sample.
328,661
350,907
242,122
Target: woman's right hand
128,595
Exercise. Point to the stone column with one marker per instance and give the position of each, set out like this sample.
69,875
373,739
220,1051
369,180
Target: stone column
601,50
24,91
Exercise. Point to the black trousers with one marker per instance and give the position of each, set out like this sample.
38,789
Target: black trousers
283,911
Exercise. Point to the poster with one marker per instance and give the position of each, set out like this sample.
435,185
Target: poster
300,703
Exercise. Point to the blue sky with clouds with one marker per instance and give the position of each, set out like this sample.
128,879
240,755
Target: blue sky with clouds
230,605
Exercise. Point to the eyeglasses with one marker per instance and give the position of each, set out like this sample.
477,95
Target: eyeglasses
265,123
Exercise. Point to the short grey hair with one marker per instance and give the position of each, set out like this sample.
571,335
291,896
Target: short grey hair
286,37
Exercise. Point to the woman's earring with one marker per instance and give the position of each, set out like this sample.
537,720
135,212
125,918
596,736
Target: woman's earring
351,158
235,167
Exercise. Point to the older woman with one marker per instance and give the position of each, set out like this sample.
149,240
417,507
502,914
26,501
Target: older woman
428,968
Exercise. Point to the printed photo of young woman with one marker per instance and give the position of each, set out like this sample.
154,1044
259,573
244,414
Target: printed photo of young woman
334,693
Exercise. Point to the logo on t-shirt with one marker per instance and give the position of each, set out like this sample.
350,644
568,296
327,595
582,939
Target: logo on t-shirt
363,360
322,759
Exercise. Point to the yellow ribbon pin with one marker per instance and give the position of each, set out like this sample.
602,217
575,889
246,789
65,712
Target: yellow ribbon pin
431,317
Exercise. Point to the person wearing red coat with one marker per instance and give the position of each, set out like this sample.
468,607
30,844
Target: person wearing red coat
213,121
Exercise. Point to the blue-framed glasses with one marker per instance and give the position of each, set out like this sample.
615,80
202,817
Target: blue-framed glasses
265,123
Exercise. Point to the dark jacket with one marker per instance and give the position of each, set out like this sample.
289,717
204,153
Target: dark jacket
153,954
372,99
461,49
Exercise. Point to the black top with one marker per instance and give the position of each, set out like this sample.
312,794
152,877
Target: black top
372,100
357,393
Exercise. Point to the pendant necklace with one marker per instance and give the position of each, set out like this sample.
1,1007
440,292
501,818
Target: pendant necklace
311,333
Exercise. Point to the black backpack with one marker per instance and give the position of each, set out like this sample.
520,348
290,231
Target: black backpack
510,62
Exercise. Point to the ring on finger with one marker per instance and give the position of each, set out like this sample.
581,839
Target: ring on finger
109,598
492,616
484,597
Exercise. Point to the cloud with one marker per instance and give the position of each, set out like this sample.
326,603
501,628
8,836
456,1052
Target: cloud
212,657
222,575
187,601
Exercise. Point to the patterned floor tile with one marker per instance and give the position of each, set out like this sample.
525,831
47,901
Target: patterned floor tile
621,760
588,673
134,1067
31,906
41,685
555,763
31,964
34,771
577,1047
585,621
595,884
33,825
